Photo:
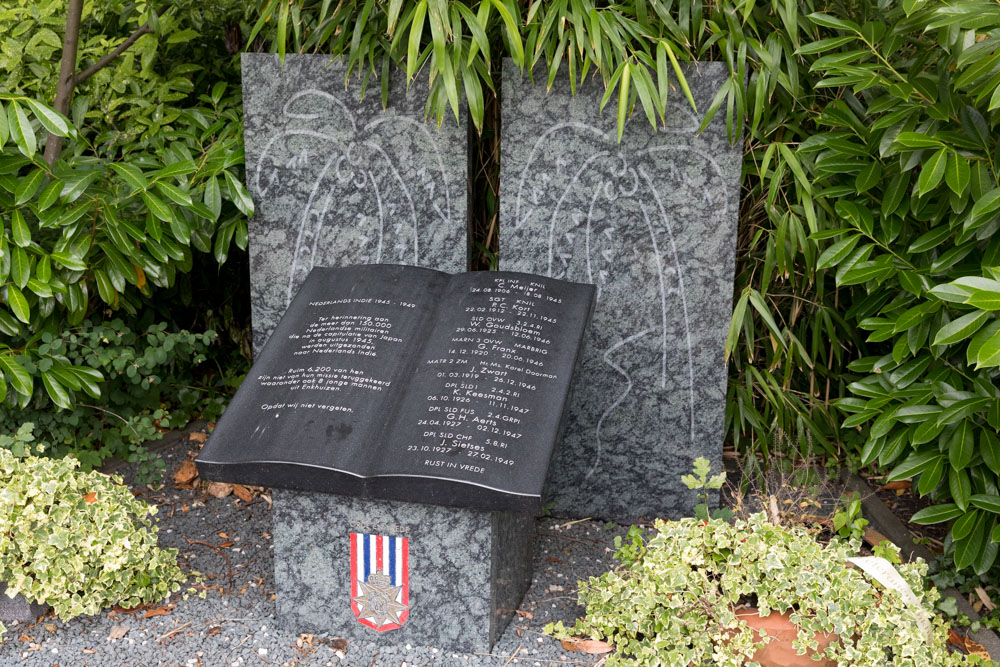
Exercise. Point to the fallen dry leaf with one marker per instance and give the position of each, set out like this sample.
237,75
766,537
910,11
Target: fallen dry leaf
593,646
900,484
985,597
526,614
118,631
186,474
972,648
89,651
243,493
222,534
335,643
198,437
25,638
967,645
90,498
158,611
214,630
219,489
51,627
226,545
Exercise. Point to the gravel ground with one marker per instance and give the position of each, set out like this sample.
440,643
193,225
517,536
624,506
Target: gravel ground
235,623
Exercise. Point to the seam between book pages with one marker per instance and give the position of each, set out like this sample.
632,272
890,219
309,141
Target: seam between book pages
354,474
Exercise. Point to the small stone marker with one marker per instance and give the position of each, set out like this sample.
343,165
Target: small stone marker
18,608
338,181
652,223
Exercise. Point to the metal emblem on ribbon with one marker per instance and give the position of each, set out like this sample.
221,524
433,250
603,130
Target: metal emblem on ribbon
380,580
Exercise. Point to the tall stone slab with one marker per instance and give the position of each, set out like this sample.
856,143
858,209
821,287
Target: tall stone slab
652,223
337,180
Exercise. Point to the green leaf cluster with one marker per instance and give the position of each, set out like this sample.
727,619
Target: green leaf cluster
120,388
676,600
77,541
635,47
150,175
905,172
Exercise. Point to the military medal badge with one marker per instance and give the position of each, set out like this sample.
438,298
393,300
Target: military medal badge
380,580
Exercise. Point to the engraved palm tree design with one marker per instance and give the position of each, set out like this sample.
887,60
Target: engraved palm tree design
358,173
610,219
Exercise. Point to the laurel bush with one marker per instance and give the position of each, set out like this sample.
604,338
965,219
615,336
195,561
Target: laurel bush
78,541
673,601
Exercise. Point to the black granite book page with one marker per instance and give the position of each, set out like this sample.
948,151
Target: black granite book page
406,383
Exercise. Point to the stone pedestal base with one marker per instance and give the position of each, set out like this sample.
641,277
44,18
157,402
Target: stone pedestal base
466,570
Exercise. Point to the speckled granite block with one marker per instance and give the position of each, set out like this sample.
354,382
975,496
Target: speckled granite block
652,222
339,181
18,608
468,570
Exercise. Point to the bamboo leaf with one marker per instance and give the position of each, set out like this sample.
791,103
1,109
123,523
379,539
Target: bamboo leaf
736,323
837,252
416,35
681,79
623,97
282,29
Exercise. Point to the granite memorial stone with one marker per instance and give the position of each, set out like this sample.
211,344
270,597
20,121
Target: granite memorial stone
405,383
430,404
651,222
338,181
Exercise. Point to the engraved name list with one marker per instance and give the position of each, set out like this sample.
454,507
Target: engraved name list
412,384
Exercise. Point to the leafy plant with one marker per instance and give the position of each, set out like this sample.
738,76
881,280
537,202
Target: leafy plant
674,601
633,46
77,541
847,520
132,386
907,173
149,174
701,482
